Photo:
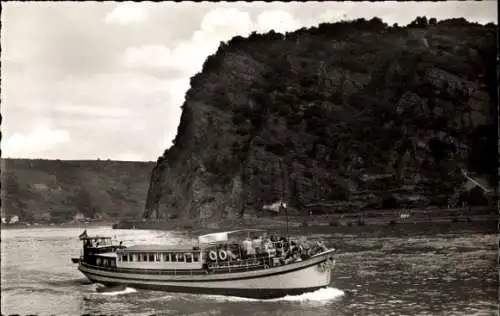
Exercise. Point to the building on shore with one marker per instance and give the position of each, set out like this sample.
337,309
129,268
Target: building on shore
14,219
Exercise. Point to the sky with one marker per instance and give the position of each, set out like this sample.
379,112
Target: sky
106,80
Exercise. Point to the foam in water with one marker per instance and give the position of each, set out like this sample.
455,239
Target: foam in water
322,296
127,290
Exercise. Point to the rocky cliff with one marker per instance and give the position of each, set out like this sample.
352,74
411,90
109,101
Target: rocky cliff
346,115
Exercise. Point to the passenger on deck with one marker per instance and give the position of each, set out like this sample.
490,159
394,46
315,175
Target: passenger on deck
288,257
247,246
269,248
322,246
231,254
273,238
257,245
286,245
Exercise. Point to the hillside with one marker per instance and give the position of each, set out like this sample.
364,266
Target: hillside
56,191
348,115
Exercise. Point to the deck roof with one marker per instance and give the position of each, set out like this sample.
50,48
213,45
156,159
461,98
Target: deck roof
159,248
226,235
96,237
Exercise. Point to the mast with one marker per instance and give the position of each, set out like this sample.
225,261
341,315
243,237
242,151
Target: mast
283,204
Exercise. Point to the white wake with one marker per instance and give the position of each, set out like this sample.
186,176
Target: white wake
127,290
323,295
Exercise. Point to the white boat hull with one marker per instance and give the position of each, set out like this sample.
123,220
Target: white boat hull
290,279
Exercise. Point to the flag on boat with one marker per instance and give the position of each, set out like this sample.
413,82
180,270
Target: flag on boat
83,235
275,207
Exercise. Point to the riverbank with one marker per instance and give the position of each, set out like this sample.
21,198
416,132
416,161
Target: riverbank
367,218
60,225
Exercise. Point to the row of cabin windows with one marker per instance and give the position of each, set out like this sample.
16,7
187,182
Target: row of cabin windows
105,262
160,257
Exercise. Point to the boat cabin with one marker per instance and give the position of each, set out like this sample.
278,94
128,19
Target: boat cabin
99,250
218,252
96,241
160,257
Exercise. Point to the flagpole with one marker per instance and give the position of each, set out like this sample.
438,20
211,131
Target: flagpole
282,203
286,216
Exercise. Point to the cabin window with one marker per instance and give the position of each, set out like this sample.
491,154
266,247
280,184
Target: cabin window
139,257
151,257
157,257
174,257
132,258
189,257
112,263
105,262
196,257
166,257
98,261
144,257
125,258
180,257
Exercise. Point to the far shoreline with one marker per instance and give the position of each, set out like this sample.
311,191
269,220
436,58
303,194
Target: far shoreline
57,225
365,218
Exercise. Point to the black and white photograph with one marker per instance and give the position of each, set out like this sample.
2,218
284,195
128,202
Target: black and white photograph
249,158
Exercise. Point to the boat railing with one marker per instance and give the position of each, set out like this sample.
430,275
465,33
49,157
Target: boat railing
265,250
175,272
245,264
255,263
149,271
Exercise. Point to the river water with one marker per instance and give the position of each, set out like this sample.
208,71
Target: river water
440,269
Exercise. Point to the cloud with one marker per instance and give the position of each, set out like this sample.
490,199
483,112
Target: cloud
277,20
333,16
127,13
187,56
118,90
31,145
89,110
221,23
148,56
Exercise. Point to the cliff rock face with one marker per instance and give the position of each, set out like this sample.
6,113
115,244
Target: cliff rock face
347,115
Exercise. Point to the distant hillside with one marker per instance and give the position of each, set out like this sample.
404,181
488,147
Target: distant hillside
355,114
56,191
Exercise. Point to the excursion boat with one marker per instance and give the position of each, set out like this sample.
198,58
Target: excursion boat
226,263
